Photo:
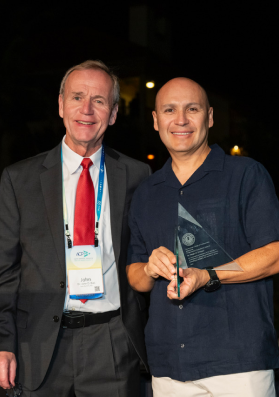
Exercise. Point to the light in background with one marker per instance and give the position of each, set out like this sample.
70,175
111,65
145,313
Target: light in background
150,84
150,156
236,151
129,93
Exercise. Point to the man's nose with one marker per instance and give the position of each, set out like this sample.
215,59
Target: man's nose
181,118
87,107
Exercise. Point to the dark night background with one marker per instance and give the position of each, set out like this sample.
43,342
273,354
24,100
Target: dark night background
228,47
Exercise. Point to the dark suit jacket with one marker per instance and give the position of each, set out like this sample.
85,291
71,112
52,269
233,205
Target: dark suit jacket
32,256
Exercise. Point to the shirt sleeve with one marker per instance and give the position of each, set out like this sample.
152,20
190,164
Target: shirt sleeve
260,207
138,251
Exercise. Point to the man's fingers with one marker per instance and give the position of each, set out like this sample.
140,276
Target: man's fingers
161,269
160,265
167,270
12,373
185,290
169,254
163,261
172,290
4,379
7,369
184,272
172,285
172,294
193,279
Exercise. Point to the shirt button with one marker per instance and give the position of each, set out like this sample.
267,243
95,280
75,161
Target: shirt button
62,284
181,192
182,345
180,306
55,319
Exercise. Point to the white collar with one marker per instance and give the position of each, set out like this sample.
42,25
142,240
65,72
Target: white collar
73,160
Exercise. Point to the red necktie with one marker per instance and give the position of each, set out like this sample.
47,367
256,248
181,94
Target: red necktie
84,222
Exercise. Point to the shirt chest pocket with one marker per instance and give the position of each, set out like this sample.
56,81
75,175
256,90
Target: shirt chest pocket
214,217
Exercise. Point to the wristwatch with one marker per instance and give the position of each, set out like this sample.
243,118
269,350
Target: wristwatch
214,282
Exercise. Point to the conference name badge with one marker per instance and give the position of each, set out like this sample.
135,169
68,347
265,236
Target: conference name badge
85,273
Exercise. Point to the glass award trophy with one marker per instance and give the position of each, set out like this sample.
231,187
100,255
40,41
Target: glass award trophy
194,247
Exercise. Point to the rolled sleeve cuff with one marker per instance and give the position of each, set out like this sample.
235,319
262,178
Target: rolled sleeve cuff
261,242
139,258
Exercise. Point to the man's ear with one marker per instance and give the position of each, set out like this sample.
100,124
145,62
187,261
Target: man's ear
113,115
61,106
210,118
154,114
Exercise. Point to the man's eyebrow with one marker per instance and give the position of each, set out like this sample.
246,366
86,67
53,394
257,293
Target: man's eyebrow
81,93
98,96
77,93
178,103
167,105
194,104
93,97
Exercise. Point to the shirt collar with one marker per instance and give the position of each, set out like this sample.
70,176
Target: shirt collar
73,160
215,159
213,162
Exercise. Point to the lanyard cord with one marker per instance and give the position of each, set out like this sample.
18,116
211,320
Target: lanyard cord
99,200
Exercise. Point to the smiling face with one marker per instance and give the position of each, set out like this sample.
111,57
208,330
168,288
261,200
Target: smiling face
182,116
87,109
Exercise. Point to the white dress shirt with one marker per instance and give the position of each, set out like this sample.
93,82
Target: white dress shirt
71,173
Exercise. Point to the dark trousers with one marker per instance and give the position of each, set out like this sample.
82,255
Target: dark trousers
95,361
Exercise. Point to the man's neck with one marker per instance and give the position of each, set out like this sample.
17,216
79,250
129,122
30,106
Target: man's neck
185,164
84,149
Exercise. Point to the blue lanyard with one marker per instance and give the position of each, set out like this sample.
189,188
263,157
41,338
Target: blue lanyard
100,193
99,200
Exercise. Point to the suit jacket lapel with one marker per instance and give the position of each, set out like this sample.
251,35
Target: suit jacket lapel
52,191
51,182
116,176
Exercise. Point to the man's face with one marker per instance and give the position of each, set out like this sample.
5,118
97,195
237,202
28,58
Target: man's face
182,116
87,107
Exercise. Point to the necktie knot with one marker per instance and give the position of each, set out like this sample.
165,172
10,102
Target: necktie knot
86,163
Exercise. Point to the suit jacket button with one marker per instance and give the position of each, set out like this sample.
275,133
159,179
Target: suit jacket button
55,319
62,284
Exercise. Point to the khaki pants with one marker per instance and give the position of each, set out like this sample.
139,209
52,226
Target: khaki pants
246,384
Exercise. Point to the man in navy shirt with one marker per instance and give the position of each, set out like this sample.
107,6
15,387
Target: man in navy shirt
209,342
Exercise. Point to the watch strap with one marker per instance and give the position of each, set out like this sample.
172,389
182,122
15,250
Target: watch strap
214,283
212,273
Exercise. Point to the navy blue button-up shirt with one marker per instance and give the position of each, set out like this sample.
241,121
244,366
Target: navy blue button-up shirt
229,330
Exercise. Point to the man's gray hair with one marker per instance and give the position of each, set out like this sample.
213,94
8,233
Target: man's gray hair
95,65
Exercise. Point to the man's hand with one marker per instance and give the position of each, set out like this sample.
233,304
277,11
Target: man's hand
142,275
7,370
161,263
193,279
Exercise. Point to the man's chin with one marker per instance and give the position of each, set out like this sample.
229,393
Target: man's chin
84,137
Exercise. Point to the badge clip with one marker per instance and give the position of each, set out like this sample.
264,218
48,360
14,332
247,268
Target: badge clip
96,234
67,234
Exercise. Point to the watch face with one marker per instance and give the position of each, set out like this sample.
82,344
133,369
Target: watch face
212,285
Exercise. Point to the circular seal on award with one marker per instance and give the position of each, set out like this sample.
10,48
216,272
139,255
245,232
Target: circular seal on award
188,239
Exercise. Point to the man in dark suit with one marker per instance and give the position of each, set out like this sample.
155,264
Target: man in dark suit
53,341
